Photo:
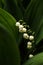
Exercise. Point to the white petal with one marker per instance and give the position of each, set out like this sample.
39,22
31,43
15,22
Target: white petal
24,29
31,37
29,43
30,56
21,30
21,27
26,36
17,24
29,47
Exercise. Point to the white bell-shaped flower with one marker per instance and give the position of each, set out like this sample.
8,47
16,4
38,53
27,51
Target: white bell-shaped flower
29,46
21,27
17,24
31,37
26,36
29,43
24,29
30,56
21,30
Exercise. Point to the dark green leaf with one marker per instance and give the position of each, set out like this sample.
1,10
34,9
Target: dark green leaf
36,60
13,8
7,20
9,54
39,35
34,16
0,4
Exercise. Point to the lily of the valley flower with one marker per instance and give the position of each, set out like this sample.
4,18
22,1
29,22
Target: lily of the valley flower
25,35
29,47
30,56
31,37
17,24
29,43
21,30
24,29
21,26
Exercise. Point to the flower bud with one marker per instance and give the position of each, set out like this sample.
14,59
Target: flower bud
29,43
31,37
30,56
25,35
21,30
17,24
21,27
29,47
24,29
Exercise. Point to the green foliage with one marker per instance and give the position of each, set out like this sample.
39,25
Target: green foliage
0,4
34,16
9,22
39,36
9,52
36,60
12,7
31,12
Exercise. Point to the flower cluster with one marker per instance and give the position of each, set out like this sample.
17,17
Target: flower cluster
30,38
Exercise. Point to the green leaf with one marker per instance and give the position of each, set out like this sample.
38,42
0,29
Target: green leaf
20,4
40,34
9,21
34,16
0,4
36,60
12,7
34,13
9,54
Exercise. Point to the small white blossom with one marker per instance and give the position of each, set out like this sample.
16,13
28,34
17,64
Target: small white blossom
29,47
21,30
21,27
25,35
31,37
24,29
29,43
30,56
17,24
